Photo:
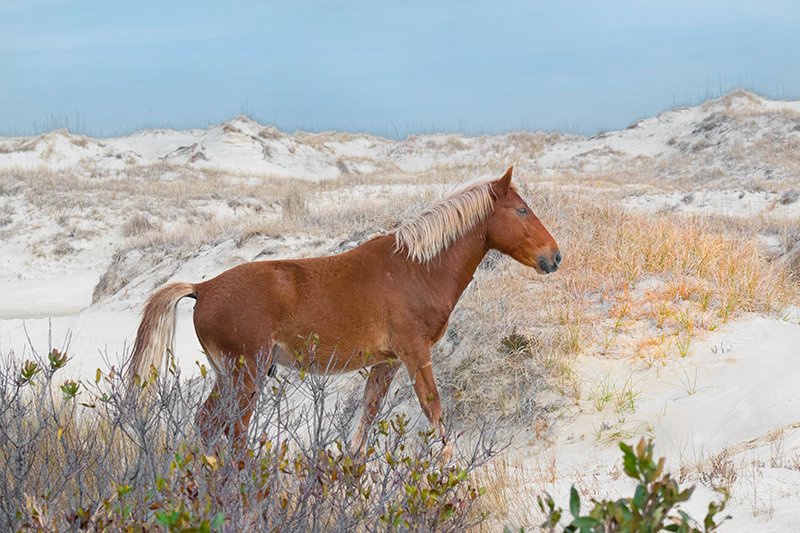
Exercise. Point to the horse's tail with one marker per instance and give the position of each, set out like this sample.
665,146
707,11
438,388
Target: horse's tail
157,329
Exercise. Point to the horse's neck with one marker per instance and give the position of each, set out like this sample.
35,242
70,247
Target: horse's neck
452,270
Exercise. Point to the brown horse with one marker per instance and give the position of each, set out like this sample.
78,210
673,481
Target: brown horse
380,304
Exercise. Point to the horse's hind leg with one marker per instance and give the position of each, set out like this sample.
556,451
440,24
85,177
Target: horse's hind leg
380,378
247,380
210,421
230,405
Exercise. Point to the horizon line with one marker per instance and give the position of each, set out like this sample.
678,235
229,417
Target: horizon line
56,123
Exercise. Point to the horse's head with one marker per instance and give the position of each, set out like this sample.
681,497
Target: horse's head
514,230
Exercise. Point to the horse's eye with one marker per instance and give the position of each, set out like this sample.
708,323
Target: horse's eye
522,211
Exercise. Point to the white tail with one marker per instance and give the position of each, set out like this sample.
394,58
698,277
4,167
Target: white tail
157,329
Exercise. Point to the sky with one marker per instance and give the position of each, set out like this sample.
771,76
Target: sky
387,68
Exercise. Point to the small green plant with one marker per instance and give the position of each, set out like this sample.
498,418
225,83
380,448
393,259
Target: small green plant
615,330
28,372
650,509
682,342
57,359
602,392
688,382
516,344
69,389
626,398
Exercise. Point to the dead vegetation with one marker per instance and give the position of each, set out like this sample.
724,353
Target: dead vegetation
26,145
137,225
97,455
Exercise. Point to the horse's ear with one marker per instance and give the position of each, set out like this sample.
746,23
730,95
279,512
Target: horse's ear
500,187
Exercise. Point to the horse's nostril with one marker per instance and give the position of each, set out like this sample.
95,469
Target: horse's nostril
557,258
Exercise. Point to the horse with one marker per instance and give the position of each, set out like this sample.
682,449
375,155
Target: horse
379,306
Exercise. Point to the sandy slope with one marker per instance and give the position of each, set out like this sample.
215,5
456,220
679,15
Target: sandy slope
733,400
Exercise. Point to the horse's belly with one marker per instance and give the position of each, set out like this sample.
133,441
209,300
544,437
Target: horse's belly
326,360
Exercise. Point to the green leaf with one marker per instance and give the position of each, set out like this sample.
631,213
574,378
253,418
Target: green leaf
167,519
629,461
639,497
218,521
685,495
28,371
69,389
574,502
630,466
585,522
57,359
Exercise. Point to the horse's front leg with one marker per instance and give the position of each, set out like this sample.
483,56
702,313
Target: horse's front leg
420,369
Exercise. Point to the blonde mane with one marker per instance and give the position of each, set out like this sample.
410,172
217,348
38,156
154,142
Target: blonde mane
432,231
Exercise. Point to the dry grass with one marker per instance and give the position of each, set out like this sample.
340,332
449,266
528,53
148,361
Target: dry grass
295,204
503,501
79,140
630,286
27,145
138,224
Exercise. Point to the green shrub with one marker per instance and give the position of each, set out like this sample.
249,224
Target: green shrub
648,510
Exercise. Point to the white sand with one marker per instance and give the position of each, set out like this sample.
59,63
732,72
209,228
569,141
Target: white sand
735,393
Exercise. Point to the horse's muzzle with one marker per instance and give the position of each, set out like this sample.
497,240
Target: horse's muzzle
549,266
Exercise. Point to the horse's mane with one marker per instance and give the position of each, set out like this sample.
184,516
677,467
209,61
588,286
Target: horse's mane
432,231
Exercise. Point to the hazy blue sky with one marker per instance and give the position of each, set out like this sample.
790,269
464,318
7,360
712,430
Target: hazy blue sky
391,68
